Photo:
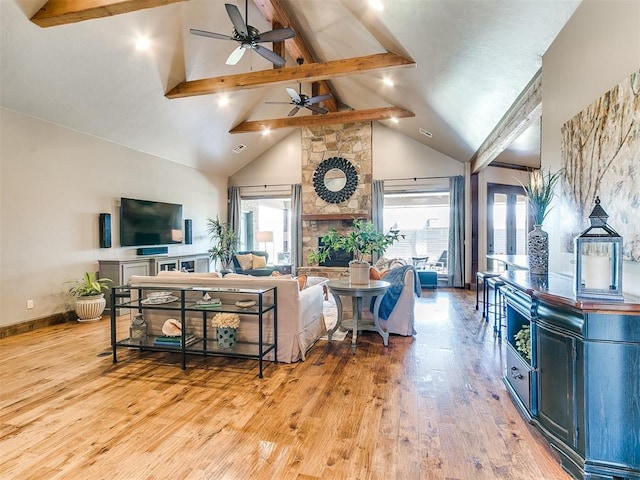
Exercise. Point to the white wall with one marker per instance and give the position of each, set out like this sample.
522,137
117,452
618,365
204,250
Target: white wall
54,183
278,165
397,156
596,50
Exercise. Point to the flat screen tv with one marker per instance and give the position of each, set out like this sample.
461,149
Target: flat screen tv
143,222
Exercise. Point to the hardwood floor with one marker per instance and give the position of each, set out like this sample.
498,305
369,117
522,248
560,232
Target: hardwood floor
431,406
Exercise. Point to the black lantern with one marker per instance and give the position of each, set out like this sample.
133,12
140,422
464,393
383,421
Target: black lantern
599,259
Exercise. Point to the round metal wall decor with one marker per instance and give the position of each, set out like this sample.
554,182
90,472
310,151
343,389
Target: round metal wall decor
335,180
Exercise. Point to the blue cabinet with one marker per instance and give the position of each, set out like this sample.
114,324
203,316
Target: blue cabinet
584,383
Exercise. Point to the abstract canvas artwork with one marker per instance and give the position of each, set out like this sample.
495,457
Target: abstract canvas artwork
601,158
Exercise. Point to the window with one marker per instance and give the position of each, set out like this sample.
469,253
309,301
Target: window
265,225
423,218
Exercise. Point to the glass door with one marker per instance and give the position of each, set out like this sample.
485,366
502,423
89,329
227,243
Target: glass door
506,221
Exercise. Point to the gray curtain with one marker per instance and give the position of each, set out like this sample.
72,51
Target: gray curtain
377,209
455,256
296,226
233,209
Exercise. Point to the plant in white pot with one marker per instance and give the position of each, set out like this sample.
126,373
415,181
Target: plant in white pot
362,241
89,295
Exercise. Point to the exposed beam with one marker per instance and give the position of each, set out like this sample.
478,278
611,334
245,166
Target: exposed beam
61,12
275,12
311,72
526,108
335,118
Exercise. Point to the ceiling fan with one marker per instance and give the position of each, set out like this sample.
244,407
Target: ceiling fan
300,100
249,37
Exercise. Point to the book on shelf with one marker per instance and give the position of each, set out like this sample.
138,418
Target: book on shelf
174,341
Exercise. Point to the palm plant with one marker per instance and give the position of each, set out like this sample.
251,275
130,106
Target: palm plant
539,191
224,240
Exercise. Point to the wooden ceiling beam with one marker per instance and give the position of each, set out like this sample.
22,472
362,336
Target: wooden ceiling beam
526,108
311,72
334,118
62,12
297,47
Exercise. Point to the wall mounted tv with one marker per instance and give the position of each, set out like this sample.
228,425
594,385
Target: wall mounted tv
143,222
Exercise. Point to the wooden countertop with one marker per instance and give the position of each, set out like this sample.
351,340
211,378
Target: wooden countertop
558,290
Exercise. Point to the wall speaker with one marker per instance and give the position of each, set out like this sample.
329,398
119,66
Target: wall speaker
188,232
105,230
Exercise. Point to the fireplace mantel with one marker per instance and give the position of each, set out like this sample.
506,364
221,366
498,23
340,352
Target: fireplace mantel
334,216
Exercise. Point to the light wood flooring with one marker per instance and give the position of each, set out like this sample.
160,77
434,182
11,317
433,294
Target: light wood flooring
431,406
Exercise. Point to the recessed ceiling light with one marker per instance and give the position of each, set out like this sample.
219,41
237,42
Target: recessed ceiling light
266,132
394,119
376,5
142,44
223,101
388,81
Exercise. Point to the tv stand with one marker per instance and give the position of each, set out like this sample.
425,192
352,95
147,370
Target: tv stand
120,271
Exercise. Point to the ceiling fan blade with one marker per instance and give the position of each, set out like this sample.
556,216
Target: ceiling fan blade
294,95
269,55
204,33
319,98
316,109
293,111
237,20
236,55
277,35
278,103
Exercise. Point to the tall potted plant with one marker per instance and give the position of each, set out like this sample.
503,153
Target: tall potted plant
362,241
89,297
539,191
225,243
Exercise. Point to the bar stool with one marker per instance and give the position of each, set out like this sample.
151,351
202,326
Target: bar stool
482,277
496,283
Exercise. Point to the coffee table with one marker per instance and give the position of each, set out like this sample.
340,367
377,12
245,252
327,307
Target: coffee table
375,289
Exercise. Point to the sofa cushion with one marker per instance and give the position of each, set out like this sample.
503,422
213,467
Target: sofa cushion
374,273
259,261
245,261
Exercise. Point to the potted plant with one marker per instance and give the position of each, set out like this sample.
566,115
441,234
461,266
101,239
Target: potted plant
539,191
226,325
89,297
362,241
225,243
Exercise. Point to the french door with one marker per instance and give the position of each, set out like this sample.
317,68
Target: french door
506,220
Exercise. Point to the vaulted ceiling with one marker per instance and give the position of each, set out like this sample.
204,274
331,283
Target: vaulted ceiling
458,69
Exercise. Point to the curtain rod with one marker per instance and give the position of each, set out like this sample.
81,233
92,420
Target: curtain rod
415,179
264,185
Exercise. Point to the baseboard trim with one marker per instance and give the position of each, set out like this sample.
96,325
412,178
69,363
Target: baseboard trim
32,325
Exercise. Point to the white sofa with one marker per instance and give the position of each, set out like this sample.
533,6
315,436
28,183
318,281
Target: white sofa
300,318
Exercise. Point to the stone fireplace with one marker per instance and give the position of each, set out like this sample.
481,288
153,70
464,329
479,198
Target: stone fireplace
351,141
